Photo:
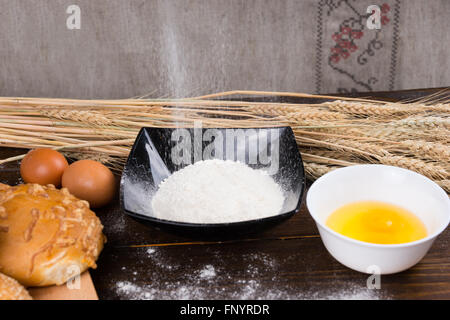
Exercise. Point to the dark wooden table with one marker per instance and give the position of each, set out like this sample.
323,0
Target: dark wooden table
288,261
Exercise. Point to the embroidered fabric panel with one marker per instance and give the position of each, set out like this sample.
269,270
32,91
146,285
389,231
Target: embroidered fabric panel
350,57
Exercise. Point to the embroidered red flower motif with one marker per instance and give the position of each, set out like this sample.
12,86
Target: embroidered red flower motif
336,37
336,50
353,47
345,54
357,34
385,8
384,20
344,44
346,30
335,58
345,37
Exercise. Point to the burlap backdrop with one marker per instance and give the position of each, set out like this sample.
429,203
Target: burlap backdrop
127,48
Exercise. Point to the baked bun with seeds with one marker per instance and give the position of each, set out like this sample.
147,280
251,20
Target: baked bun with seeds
10,289
47,236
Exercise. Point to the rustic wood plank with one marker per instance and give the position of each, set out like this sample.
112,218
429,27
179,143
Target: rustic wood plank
261,269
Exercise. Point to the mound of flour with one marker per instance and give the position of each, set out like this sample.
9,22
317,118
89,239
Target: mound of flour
217,191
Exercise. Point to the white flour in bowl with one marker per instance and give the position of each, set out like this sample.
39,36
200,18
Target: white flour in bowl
217,191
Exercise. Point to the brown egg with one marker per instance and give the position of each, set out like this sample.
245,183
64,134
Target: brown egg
43,166
91,181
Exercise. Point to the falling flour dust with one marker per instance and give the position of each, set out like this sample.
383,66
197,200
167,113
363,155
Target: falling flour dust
217,191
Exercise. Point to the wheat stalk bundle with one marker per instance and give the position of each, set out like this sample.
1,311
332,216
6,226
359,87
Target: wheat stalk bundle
333,133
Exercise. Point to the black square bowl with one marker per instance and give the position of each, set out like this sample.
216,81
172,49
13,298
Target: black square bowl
158,152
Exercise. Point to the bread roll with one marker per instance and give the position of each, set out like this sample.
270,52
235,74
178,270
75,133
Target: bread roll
47,235
10,289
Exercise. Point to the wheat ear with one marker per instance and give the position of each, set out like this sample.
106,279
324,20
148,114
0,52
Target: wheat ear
364,109
422,122
430,170
428,150
316,170
87,117
370,148
301,116
445,184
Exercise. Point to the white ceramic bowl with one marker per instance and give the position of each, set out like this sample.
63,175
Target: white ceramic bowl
398,186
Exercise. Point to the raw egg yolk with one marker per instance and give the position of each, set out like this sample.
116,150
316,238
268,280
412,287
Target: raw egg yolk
377,222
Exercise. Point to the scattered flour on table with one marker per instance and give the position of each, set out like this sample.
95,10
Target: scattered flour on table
217,191
207,282
250,289
208,272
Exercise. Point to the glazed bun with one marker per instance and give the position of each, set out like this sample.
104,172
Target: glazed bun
10,289
47,236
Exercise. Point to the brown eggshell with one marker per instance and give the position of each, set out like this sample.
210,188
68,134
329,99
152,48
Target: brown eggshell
91,181
43,166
